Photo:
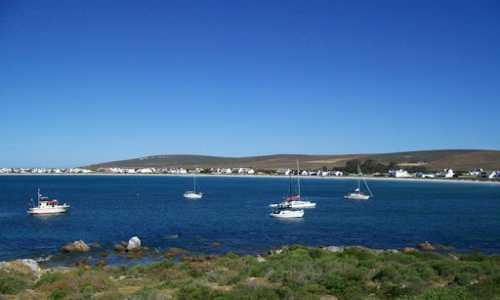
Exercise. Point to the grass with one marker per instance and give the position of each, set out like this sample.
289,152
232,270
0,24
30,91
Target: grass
295,273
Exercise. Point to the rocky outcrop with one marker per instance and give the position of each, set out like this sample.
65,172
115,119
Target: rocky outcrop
121,247
23,266
426,246
408,250
175,252
76,246
334,249
134,244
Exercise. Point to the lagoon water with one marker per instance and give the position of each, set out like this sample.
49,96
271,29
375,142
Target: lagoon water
234,212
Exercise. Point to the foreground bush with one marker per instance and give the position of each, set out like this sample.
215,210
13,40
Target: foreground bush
295,273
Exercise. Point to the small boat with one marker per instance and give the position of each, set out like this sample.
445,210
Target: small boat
287,214
193,194
294,201
357,194
46,206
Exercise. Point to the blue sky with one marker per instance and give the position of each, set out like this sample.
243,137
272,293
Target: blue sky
92,81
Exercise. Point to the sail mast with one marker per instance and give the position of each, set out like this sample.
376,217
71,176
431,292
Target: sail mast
298,176
194,183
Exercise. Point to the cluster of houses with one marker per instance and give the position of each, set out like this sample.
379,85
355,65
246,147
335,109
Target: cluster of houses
401,173
179,171
446,173
45,171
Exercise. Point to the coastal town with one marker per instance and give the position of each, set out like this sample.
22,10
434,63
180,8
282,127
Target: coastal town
474,174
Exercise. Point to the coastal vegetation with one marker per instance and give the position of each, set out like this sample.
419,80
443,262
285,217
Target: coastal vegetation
294,272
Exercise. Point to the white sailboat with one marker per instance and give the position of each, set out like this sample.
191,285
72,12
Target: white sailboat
46,206
294,201
193,194
357,194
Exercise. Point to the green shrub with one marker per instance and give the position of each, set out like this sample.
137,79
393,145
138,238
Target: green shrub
12,285
49,278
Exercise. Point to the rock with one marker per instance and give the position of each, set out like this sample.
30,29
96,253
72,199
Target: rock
134,244
76,246
83,263
120,247
216,245
173,252
24,266
260,259
426,246
100,263
408,250
334,249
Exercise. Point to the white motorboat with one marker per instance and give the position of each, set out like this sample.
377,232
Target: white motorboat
46,206
357,194
288,214
193,194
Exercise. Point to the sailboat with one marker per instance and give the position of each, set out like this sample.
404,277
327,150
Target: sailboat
294,201
193,194
357,194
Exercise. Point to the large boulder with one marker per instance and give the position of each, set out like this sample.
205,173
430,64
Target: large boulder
76,246
426,246
134,244
334,249
23,266
407,250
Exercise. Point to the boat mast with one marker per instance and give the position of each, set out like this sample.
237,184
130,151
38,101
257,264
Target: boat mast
359,179
194,183
290,185
298,176
38,198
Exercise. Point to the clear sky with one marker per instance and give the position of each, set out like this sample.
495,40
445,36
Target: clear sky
92,81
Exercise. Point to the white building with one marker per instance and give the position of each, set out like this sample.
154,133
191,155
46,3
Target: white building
449,173
399,173
338,173
146,171
324,173
494,175
5,170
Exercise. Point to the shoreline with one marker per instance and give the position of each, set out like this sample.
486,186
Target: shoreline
295,271
369,178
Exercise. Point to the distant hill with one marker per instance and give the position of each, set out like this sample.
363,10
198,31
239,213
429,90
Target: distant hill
432,159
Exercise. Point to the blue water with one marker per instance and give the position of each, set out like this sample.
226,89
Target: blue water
234,213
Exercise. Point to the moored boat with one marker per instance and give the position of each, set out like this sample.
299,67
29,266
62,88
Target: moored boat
288,214
193,194
357,194
46,206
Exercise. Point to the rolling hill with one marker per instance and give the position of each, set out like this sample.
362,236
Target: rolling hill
433,160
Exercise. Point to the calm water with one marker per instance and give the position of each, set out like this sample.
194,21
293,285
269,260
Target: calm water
234,213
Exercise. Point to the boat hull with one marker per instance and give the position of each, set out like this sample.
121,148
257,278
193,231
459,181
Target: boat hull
357,197
288,214
192,195
48,210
